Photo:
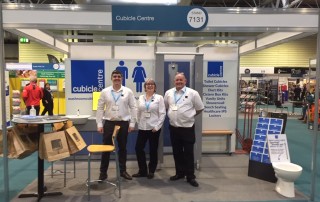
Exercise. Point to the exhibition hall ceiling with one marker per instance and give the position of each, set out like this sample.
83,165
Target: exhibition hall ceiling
142,37
204,3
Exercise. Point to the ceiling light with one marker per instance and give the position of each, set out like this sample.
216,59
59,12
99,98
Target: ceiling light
124,2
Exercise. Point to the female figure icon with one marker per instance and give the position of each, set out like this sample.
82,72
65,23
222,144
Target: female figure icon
139,76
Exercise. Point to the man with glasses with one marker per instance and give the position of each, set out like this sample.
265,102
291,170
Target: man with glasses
116,106
183,104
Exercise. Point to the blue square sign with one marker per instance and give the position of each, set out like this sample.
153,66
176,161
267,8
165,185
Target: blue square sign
87,76
215,69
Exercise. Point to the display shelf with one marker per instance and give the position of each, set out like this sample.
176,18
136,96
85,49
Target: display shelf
16,101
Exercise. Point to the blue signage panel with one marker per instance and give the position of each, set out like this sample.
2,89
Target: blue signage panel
160,18
87,76
215,69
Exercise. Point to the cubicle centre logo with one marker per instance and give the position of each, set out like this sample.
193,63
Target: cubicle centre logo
215,69
87,76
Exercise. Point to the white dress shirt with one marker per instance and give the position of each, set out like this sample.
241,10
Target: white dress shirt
116,106
156,110
182,106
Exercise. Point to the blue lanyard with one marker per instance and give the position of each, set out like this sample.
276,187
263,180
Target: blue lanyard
147,103
115,98
175,95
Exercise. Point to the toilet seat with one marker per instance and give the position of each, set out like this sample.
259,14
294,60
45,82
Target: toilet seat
287,166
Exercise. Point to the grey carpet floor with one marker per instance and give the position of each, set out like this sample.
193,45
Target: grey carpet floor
221,178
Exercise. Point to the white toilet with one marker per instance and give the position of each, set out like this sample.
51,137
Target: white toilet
286,174
285,171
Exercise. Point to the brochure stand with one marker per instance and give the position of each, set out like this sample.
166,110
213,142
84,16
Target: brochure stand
262,171
284,117
259,163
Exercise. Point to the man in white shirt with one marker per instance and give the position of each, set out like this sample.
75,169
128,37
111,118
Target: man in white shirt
116,106
183,104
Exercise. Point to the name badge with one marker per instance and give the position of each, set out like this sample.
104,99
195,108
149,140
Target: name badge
147,114
115,108
174,107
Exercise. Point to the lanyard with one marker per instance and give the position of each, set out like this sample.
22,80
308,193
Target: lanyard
147,103
175,95
114,97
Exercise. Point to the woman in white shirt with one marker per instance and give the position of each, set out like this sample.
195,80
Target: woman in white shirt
151,114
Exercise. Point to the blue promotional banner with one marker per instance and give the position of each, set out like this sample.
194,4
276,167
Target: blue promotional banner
87,76
160,18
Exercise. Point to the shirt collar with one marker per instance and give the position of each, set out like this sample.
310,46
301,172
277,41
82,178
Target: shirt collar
182,89
120,90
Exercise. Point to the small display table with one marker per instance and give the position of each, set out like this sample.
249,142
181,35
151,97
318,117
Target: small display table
41,121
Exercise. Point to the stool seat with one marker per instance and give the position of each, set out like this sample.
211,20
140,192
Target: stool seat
95,148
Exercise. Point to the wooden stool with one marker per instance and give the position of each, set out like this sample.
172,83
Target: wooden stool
105,148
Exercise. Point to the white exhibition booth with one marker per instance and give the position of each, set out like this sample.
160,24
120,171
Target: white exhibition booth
214,70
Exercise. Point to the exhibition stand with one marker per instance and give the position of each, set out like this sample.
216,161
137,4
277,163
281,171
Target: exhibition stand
212,70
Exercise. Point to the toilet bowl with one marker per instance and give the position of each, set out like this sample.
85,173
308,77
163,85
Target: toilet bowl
286,174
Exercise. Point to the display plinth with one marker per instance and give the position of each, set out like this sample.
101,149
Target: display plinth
262,171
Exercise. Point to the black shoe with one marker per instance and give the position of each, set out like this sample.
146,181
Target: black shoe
300,118
139,175
103,176
150,175
193,183
176,177
125,175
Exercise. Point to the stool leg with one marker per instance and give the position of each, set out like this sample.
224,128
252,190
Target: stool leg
89,174
74,165
65,172
118,173
51,169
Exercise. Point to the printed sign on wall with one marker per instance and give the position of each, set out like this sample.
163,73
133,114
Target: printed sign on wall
135,73
87,76
215,69
217,85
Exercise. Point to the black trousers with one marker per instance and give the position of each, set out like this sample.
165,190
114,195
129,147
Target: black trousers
48,108
153,138
122,144
182,140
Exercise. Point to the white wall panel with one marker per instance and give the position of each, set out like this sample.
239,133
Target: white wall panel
90,52
219,53
134,52
179,50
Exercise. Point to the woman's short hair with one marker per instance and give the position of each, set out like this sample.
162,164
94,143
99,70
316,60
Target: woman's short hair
150,81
